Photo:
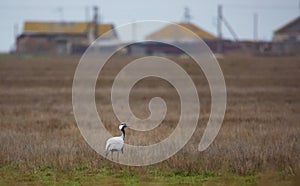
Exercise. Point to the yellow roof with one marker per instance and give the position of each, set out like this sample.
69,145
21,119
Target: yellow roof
172,32
64,27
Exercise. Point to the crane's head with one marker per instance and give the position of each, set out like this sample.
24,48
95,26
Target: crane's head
122,126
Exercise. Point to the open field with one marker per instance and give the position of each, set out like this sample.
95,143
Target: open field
258,144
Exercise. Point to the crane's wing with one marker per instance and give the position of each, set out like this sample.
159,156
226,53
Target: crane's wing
114,143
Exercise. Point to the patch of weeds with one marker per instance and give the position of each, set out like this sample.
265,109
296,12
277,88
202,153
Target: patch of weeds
82,167
208,174
127,177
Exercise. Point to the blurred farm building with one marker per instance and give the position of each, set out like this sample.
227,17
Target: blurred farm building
287,38
172,34
184,35
61,37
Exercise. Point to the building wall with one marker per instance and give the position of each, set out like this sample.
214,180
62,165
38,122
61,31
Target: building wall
50,44
29,44
282,37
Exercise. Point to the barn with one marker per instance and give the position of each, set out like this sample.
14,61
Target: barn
288,32
171,33
287,38
61,37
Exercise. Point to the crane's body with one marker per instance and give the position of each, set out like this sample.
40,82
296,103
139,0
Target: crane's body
116,143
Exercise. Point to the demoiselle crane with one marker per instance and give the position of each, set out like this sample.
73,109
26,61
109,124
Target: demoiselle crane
116,143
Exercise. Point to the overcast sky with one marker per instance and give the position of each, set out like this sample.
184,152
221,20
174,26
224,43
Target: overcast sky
272,14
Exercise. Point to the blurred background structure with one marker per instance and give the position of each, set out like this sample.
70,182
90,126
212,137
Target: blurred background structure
67,37
62,37
287,38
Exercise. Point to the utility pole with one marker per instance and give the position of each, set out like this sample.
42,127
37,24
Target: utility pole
95,22
187,15
219,29
220,17
255,27
299,6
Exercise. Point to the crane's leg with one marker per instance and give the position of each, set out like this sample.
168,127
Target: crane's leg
118,156
112,155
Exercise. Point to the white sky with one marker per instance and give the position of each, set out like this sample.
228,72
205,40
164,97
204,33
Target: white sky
272,14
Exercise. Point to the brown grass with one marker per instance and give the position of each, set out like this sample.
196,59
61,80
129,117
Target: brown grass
261,130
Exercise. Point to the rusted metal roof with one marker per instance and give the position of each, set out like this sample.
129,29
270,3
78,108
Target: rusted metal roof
172,32
64,27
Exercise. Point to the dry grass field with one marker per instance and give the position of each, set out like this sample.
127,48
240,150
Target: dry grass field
260,135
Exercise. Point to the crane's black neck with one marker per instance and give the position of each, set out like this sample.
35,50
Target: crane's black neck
123,133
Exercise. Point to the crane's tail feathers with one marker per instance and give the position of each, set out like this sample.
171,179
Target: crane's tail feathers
107,150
